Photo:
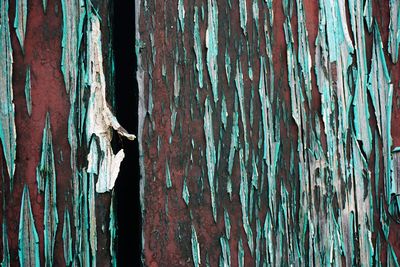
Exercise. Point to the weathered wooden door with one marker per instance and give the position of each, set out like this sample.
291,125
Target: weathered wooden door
267,131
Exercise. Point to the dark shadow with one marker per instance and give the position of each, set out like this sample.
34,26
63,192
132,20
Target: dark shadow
126,103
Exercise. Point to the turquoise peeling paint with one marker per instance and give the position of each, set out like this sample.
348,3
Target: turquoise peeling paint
304,50
198,47
8,133
300,154
240,253
240,92
185,193
6,251
168,181
28,91
195,248
227,66
28,239
77,66
234,144
210,154
368,14
243,15
21,13
44,4
244,200
394,29
361,113
212,46
67,239
227,224
73,18
113,231
225,258
381,91
47,182
181,15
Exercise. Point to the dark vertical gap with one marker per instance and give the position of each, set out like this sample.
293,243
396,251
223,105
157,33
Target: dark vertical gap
126,105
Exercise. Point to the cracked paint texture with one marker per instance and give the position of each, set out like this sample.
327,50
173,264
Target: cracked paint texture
57,99
285,141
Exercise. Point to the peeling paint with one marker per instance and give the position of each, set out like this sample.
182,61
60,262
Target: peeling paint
394,27
99,118
198,47
21,13
210,153
67,239
8,133
28,91
298,153
28,239
47,183
212,46
195,249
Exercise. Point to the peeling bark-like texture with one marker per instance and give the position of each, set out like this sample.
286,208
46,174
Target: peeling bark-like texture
279,149
56,64
7,116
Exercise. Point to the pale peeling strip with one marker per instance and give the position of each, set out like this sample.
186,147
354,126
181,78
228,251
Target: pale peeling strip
168,180
363,194
240,253
234,138
21,13
83,233
67,239
228,67
225,257
270,146
227,224
197,46
100,120
381,91
243,15
368,14
47,177
361,113
8,133
304,55
210,153
294,83
28,97
92,218
195,248
394,30
177,79
212,46
269,244
141,109
240,92
258,241
28,239
181,14
73,18
244,200
185,193
44,4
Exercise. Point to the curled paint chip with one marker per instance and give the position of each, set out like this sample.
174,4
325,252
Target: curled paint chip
100,120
